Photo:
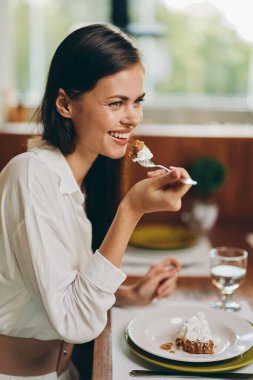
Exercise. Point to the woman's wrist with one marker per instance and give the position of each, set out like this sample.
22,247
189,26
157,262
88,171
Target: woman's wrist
127,207
125,296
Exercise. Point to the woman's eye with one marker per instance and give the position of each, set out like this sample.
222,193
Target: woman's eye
138,101
115,104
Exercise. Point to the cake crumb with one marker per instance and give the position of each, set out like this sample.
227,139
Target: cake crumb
167,346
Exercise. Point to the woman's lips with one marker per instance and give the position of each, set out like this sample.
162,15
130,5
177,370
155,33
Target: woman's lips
119,141
120,137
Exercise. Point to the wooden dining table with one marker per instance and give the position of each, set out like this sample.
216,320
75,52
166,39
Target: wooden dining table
195,288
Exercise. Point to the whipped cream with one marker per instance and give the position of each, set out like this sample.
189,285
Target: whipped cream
143,154
196,328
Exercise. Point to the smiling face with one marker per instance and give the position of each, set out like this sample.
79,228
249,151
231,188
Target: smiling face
105,116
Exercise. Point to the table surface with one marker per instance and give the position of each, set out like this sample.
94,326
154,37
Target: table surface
195,288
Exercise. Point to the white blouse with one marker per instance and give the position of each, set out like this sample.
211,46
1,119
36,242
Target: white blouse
51,284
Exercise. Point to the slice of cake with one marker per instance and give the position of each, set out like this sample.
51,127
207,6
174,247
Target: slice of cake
139,151
195,336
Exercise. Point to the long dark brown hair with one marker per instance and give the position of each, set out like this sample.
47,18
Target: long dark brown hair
85,56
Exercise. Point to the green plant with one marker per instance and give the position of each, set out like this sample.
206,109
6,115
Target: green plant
209,172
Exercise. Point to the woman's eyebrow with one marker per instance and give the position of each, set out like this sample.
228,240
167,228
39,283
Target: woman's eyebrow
141,96
123,97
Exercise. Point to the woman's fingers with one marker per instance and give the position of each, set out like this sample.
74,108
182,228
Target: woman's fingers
166,289
162,280
169,264
166,286
159,281
173,177
161,192
165,282
181,171
156,173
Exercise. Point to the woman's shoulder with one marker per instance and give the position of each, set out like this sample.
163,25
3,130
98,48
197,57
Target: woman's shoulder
24,169
22,164
30,182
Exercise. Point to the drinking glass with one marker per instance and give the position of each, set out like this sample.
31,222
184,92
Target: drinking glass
228,269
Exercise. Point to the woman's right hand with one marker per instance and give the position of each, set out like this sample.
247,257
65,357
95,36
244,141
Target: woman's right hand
160,192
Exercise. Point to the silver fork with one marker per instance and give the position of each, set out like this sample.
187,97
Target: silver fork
150,164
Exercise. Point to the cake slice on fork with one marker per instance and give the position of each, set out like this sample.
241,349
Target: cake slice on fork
140,152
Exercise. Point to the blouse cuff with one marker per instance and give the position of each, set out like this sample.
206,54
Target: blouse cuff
103,274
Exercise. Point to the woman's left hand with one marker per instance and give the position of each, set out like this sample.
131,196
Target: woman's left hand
158,282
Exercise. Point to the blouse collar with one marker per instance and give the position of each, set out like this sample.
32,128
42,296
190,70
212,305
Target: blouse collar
54,158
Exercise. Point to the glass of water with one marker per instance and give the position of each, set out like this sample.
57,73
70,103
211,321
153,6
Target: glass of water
228,269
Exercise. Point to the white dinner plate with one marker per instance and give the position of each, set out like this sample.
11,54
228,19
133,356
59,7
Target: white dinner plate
232,334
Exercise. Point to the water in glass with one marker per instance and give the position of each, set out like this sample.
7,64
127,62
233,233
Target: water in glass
228,269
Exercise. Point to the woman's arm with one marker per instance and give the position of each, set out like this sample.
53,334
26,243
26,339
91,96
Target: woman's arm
160,193
46,236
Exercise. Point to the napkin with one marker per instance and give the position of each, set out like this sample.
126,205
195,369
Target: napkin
123,360
194,260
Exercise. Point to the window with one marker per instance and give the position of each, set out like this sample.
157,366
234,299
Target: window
203,48
193,50
38,28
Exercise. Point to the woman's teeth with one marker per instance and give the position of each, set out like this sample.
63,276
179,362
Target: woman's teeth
119,135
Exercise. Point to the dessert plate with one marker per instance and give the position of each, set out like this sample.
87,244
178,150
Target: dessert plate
161,236
232,334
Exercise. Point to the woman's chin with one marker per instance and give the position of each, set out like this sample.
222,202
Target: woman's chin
117,155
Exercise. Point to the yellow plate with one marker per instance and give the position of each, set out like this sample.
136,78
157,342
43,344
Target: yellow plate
162,236
221,366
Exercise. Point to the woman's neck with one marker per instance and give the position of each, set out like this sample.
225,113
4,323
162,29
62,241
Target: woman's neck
80,163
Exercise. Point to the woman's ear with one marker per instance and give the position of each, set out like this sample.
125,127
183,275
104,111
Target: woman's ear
62,104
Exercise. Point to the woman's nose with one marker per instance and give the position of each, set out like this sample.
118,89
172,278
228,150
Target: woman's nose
132,116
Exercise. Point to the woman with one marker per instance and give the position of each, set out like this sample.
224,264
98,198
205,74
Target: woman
52,287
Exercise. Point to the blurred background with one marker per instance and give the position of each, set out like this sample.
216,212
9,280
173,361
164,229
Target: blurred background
198,57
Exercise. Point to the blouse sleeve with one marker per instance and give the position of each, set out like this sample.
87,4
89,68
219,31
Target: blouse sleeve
75,302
